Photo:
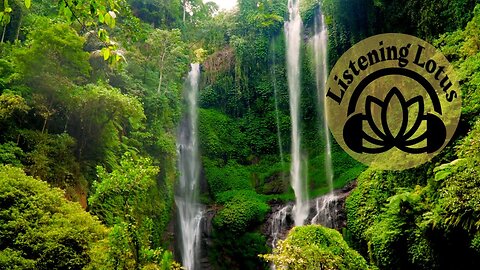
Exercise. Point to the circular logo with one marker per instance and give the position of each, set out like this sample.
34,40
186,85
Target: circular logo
393,101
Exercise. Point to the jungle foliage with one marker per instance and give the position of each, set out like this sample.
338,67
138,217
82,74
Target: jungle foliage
90,101
427,217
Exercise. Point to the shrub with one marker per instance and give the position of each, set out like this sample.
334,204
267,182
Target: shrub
40,229
315,247
363,205
220,136
11,154
240,213
225,197
249,244
230,177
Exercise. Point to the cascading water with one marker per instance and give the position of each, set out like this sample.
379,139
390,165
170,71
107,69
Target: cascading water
326,212
293,30
328,208
278,223
320,41
186,199
277,114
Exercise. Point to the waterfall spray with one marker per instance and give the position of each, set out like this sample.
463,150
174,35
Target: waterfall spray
186,199
293,30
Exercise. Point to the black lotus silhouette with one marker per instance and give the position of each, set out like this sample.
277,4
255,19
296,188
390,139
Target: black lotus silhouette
399,134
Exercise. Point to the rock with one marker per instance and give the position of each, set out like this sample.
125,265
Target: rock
327,210
276,183
206,238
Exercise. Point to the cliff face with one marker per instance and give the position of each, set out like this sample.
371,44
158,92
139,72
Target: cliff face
328,210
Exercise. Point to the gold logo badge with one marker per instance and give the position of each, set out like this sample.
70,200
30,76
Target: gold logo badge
393,101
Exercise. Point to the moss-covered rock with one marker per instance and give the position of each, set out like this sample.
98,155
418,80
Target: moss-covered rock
315,247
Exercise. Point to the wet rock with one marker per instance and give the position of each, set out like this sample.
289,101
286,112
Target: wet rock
327,210
206,238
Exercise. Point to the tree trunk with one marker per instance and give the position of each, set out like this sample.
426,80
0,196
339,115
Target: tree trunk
161,69
66,123
19,26
3,34
44,124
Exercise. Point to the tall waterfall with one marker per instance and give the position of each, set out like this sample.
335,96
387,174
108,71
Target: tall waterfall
326,213
293,31
320,41
186,199
327,210
277,111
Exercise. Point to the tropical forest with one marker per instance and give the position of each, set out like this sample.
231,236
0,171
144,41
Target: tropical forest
197,135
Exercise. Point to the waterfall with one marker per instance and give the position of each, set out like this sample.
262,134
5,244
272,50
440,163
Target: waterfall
278,223
186,199
293,30
324,206
320,41
326,211
277,112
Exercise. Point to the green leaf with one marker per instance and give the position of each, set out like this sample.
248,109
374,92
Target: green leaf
102,34
68,13
28,3
109,20
6,19
106,53
442,175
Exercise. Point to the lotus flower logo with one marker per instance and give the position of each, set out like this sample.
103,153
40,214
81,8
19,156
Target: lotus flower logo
386,129
392,101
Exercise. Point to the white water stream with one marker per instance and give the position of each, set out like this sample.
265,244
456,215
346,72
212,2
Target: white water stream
189,209
320,42
293,31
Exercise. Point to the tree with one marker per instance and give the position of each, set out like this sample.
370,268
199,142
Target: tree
120,198
166,51
40,229
117,193
159,13
88,13
104,116
10,104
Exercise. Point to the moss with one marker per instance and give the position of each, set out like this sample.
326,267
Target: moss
240,213
232,176
315,247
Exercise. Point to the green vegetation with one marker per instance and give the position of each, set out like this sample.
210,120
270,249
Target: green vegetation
40,229
315,247
241,211
83,108
90,102
402,220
